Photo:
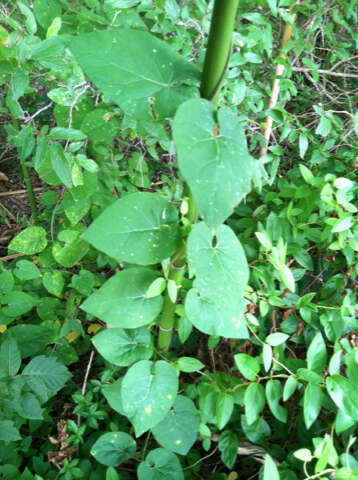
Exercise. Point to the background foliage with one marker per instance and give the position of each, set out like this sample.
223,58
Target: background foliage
290,389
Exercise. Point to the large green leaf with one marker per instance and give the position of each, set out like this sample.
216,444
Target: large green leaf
213,158
136,70
160,464
216,305
113,448
140,228
121,301
18,303
179,429
254,402
148,391
274,394
124,347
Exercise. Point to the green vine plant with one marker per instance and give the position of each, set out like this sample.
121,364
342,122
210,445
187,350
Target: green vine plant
159,247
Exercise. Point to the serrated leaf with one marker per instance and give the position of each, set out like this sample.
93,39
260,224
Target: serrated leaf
45,375
148,392
213,158
135,70
113,448
303,145
10,358
179,429
124,347
215,304
8,431
140,228
122,300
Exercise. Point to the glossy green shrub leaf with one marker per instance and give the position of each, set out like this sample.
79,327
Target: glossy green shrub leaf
124,347
224,409
10,358
215,304
70,134
213,158
100,126
317,353
274,395
290,387
135,70
121,301
148,391
60,164
312,402
113,448
270,469
179,429
160,464
254,402
30,241
189,364
228,446
140,228
17,303
249,366
344,394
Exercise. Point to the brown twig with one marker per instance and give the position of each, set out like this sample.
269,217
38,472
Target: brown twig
11,257
325,72
18,192
84,385
287,33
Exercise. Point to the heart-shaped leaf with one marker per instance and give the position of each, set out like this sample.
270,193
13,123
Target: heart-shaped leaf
213,158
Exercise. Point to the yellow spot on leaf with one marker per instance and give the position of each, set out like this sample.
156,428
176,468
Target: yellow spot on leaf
3,328
170,397
93,328
178,442
71,337
148,410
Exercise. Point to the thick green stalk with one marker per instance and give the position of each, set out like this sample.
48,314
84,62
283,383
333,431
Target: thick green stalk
29,188
218,51
216,62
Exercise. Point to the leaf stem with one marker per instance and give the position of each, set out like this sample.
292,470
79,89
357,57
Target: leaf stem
29,188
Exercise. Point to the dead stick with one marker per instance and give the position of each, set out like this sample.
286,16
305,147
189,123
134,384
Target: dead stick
287,33
18,192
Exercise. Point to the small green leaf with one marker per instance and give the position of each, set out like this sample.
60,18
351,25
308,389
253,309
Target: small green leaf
54,28
303,454
113,448
274,395
254,402
267,355
189,364
312,402
70,134
303,145
324,127
228,446
248,366
287,277
26,270
30,241
172,290
156,288
342,225
54,283
289,388
317,353
8,431
276,338
224,409
270,469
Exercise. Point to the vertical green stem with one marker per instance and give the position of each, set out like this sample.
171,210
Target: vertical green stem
216,62
29,188
218,51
